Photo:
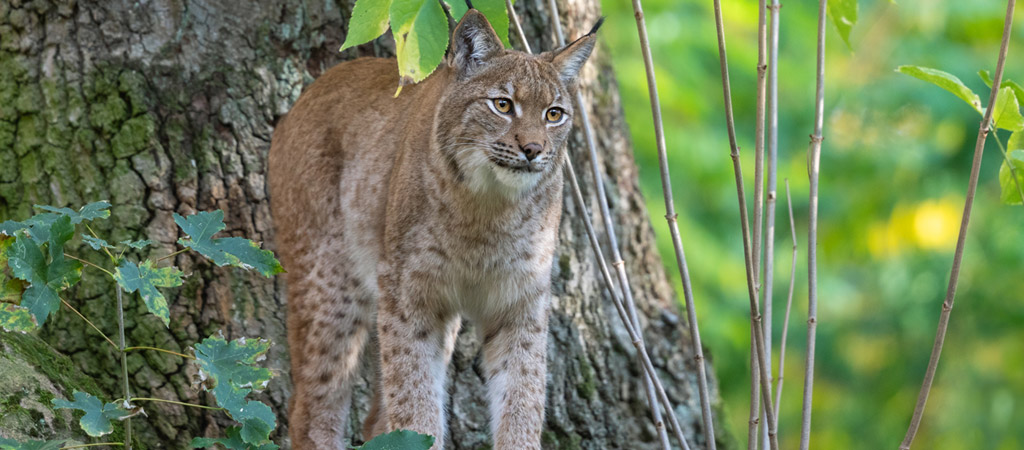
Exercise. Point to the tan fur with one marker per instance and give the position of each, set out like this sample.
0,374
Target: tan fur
404,213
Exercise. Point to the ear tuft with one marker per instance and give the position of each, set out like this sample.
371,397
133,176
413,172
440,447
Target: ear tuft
474,42
469,3
596,26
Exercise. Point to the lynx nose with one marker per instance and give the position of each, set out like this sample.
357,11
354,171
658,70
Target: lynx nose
531,150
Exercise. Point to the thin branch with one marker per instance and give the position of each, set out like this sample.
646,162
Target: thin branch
759,122
94,327
171,255
789,305
174,402
768,281
93,233
1006,159
638,343
671,217
89,263
954,276
98,444
618,262
124,368
157,349
518,26
814,163
755,315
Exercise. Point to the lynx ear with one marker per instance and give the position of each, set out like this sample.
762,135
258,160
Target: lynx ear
569,60
473,42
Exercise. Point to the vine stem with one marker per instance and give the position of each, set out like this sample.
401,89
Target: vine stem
171,255
789,305
89,263
98,444
141,347
954,276
93,233
814,163
191,405
755,315
1006,158
768,282
638,343
124,368
671,218
94,327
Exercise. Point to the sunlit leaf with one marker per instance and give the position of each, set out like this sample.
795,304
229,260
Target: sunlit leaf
228,370
844,17
1010,194
96,421
46,279
421,37
138,244
11,444
946,81
95,242
234,251
1006,112
1016,141
92,211
146,279
400,440
369,20
1017,88
233,441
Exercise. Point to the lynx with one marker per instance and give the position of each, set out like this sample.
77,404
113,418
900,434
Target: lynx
397,216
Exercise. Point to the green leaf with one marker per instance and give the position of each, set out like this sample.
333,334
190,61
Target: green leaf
16,318
96,421
369,20
497,15
37,226
233,441
234,251
946,81
227,369
95,242
1010,195
421,37
11,444
844,17
28,263
10,288
1016,141
138,244
146,279
1006,113
400,440
92,211
457,8
1017,89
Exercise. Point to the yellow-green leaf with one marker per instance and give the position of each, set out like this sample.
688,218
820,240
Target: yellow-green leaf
146,279
96,421
421,38
1006,113
946,81
1010,194
493,10
369,20
844,17
16,318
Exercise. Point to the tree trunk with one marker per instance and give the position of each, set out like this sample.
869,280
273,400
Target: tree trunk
166,106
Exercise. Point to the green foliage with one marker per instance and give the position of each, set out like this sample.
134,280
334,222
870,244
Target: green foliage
234,251
138,245
145,279
1006,112
46,278
92,211
228,370
11,444
946,81
232,441
399,440
16,318
96,421
420,28
1010,189
844,17
96,243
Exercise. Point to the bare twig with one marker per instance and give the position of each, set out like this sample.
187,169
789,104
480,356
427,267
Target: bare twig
789,305
175,402
954,276
638,343
157,349
171,255
755,315
98,444
124,368
762,49
518,26
89,263
768,281
671,217
94,327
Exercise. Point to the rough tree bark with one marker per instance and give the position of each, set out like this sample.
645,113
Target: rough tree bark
165,106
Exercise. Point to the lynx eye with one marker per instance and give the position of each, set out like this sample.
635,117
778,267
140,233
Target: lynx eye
503,105
554,115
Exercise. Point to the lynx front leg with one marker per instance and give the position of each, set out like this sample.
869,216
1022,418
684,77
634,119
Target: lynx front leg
415,344
515,358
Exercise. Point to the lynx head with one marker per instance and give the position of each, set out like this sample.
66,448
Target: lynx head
504,118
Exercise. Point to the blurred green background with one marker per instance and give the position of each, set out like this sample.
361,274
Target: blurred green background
894,171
